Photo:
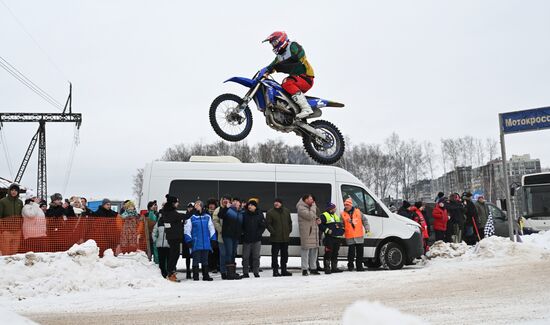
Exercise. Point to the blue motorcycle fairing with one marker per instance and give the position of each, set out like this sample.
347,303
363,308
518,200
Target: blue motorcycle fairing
242,81
250,83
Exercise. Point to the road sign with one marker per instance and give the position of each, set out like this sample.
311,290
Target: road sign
528,120
514,122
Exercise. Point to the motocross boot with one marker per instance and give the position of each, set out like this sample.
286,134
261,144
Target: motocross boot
305,110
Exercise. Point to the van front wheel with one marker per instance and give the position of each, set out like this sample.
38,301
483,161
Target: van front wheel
392,256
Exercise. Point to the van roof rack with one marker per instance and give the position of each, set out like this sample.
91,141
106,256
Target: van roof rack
214,159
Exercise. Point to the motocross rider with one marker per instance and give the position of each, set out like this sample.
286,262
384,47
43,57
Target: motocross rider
291,59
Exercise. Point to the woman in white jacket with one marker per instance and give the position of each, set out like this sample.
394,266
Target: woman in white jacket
34,227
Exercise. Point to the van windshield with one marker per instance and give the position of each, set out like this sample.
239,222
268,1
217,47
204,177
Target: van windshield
362,200
537,201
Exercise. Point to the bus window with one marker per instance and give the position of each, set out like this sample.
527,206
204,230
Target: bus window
362,200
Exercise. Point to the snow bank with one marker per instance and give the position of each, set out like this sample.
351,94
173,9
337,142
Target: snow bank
493,247
78,269
541,239
9,317
446,250
364,312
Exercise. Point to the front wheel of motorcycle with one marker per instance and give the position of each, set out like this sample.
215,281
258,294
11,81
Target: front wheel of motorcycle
326,150
226,119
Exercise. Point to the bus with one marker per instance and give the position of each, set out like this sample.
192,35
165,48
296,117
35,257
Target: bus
394,241
536,201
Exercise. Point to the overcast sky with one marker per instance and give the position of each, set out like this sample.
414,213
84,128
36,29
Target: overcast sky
145,72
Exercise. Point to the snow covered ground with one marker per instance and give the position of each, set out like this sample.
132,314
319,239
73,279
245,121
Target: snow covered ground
497,282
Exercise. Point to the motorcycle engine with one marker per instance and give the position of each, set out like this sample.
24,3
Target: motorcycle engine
281,116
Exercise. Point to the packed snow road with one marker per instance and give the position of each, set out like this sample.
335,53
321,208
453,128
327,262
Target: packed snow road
501,283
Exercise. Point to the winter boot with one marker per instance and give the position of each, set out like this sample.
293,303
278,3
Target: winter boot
276,273
351,267
172,277
205,275
284,271
326,264
334,267
305,110
195,273
360,265
224,276
232,272
304,273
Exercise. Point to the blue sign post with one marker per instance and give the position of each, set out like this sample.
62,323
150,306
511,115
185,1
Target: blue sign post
514,122
528,120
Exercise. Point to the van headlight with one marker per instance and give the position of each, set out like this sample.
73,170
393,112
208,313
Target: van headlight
416,228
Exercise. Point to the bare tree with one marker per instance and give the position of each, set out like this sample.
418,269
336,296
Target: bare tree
137,188
491,146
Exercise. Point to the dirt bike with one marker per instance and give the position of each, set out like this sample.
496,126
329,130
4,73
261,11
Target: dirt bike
231,118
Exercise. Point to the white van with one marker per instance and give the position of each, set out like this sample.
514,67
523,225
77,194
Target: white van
393,242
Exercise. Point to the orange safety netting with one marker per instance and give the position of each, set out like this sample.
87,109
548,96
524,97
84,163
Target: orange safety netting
56,234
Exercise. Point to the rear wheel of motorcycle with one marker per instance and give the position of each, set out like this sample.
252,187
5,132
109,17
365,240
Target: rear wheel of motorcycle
325,151
219,112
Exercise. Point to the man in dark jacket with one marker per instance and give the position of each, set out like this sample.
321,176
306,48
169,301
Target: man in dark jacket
253,228
279,225
173,227
482,213
472,224
105,210
333,228
231,232
455,225
58,228
10,221
404,210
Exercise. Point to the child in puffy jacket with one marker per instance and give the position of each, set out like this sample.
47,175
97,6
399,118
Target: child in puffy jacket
199,231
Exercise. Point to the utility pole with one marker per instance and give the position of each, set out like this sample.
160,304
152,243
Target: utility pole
67,116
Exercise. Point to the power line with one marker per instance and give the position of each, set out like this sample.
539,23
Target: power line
28,83
34,40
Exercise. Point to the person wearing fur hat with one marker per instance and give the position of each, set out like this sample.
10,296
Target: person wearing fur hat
333,228
355,226
253,227
199,232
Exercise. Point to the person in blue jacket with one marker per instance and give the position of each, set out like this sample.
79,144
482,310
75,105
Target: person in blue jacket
199,231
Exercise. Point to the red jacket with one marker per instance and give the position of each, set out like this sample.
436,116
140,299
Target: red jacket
419,218
441,217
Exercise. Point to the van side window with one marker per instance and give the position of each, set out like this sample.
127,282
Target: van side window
192,190
245,190
362,200
291,193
